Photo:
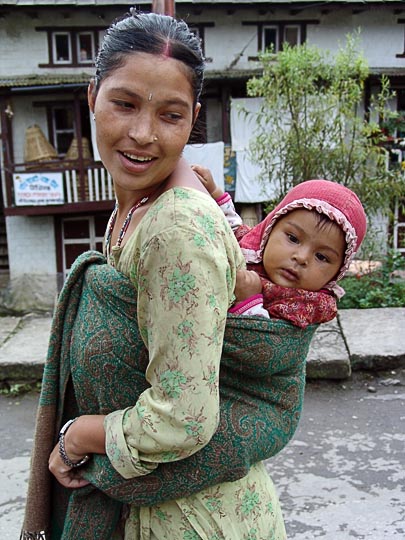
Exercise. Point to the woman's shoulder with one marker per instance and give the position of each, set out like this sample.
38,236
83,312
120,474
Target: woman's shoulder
180,204
183,217
187,196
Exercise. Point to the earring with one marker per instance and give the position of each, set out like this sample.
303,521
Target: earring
94,117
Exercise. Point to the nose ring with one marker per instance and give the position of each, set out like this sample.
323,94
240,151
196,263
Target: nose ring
155,138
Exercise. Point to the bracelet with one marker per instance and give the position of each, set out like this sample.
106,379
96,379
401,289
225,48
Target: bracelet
62,451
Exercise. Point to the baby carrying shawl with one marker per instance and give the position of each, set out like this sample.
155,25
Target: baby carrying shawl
96,364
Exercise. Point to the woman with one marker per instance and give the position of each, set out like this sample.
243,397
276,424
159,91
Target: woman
180,258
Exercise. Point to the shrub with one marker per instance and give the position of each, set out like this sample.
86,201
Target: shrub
376,289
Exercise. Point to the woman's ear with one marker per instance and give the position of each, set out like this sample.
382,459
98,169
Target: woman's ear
196,112
91,95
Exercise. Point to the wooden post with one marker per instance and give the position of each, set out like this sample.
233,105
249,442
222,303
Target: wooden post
164,7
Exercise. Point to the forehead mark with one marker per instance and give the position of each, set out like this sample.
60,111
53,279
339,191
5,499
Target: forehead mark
166,51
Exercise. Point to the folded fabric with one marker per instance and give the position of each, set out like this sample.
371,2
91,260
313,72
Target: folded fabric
262,381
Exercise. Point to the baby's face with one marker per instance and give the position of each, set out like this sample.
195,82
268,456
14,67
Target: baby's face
302,252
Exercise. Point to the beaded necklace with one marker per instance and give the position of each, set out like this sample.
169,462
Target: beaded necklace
125,225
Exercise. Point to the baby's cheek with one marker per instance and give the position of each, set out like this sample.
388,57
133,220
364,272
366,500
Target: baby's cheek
268,262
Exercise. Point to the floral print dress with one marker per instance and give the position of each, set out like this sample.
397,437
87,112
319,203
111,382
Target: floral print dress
182,259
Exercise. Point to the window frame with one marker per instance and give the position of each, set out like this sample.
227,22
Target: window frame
73,34
55,132
280,34
93,48
402,54
54,48
280,25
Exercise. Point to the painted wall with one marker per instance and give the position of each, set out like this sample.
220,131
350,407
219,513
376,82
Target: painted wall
382,37
33,251
33,278
229,43
23,48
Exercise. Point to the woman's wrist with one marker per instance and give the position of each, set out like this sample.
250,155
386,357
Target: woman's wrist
86,435
70,458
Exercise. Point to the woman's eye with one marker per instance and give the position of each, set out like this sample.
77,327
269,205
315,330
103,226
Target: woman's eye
173,117
123,104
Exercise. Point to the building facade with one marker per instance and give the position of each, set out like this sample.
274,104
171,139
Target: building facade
55,195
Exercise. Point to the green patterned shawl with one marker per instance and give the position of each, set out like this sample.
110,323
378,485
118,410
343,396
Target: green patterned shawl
96,364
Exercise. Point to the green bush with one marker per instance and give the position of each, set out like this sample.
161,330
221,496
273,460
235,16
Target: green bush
377,289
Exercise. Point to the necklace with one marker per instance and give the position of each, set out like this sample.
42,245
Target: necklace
125,225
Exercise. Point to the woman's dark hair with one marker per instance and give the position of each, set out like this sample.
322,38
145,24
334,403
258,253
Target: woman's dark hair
150,33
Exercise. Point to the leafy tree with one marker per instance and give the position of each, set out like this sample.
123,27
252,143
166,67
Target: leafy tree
311,123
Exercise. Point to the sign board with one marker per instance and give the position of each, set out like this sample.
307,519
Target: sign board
38,189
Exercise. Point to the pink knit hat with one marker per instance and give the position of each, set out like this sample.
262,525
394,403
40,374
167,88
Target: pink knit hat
334,200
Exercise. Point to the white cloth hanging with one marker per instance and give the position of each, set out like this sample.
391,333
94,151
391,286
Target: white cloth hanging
210,155
243,121
249,185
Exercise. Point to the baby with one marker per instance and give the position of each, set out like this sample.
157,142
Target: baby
298,253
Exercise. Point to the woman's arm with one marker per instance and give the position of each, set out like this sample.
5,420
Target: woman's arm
85,436
185,285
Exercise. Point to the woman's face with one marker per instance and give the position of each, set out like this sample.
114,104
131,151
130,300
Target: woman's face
144,114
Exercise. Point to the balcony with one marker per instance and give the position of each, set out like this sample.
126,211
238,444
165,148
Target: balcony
56,187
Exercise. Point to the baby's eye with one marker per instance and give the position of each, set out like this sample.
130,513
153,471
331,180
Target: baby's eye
321,257
292,238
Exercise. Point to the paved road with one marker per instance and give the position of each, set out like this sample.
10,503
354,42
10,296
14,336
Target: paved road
342,477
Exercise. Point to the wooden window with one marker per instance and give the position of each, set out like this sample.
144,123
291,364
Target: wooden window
402,53
61,48
63,127
275,33
79,234
292,34
275,36
71,46
270,38
85,47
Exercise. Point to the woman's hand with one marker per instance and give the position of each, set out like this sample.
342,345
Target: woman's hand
67,476
84,436
247,284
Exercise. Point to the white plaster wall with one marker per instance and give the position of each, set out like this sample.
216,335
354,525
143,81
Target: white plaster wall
227,39
31,245
382,37
23,48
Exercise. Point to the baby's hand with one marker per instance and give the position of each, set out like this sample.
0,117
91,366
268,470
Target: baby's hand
205,177
247,284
